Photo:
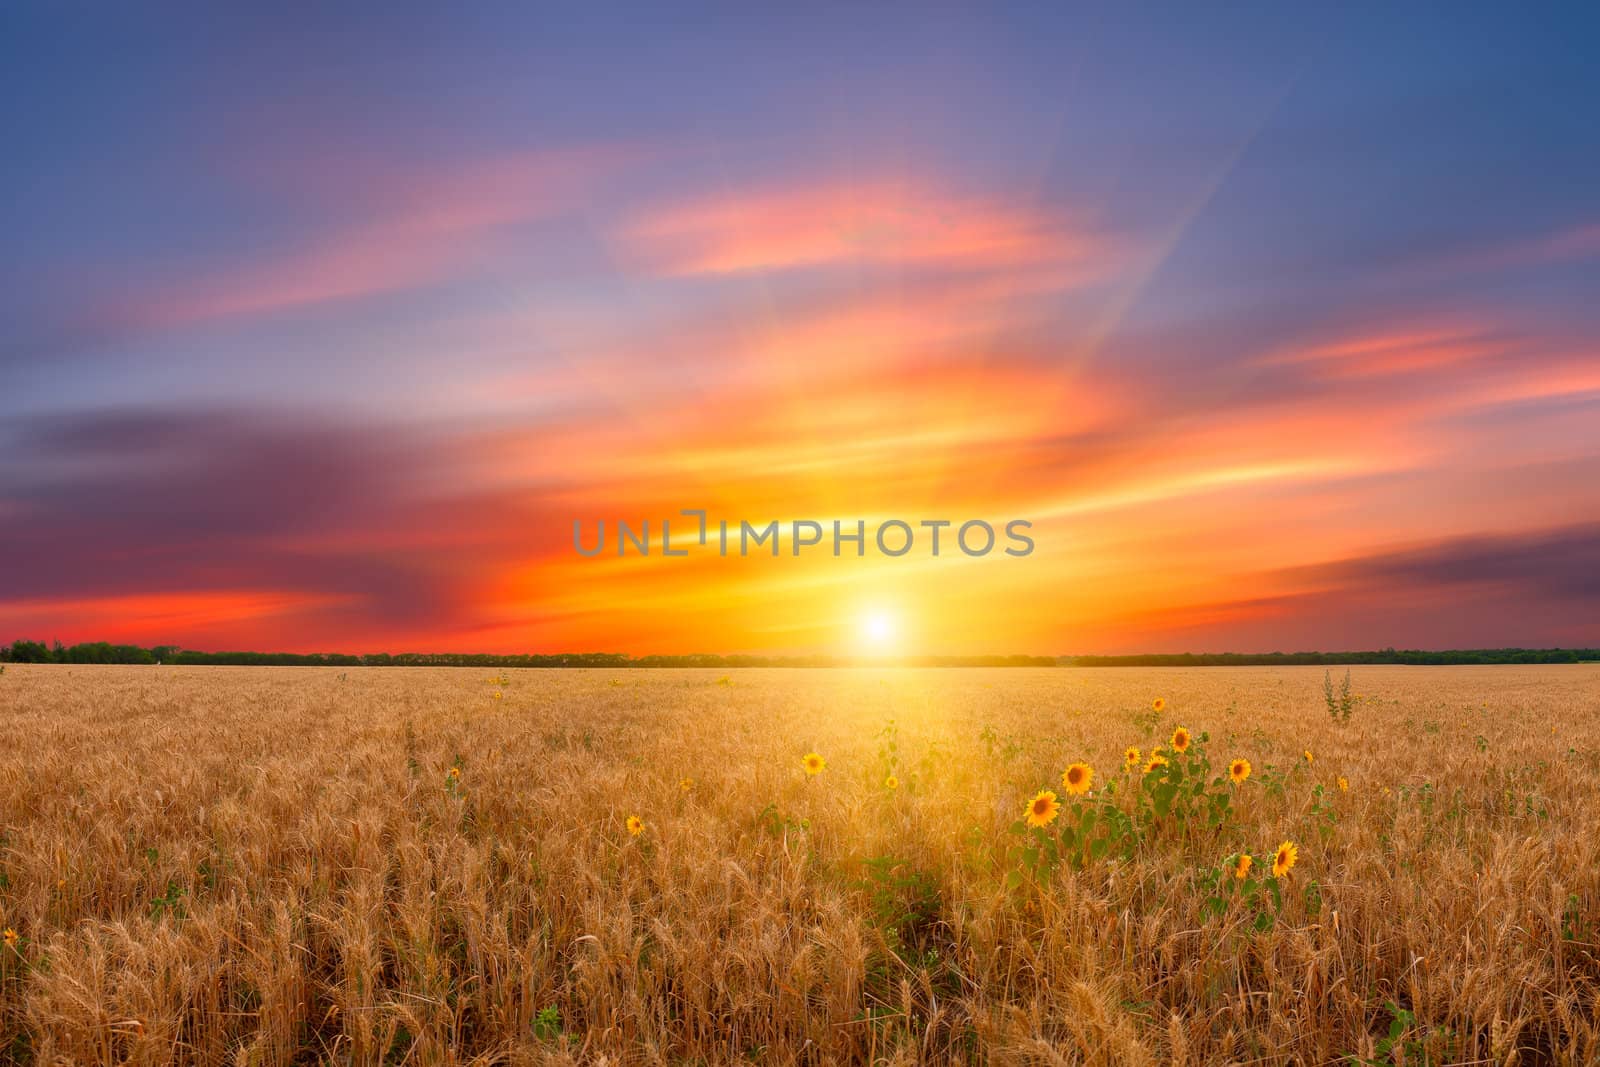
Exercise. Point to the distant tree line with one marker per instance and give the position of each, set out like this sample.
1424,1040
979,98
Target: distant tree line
102,652
91,652
1415,657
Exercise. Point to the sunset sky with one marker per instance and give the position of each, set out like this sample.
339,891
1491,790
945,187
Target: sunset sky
1281,324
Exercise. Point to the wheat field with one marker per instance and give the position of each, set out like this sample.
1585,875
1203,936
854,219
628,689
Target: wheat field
431,866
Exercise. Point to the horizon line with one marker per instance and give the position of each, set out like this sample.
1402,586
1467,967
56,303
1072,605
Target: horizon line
107,653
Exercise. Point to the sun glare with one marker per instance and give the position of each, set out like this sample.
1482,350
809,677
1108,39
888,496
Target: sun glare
878,630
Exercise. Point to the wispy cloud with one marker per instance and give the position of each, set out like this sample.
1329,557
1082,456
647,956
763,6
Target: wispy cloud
886,223
1573,242
398,227
1408,350
1538,565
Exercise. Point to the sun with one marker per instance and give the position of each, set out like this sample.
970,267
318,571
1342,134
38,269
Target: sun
878,629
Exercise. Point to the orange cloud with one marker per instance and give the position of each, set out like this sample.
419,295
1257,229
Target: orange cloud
137,616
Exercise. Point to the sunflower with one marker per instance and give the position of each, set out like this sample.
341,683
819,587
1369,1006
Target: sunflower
1239,770
11,938
1241,865
1309,758
1076,779
635,825
1180,740
1283,861
454,774
1159,704
891,782
1344,784
813,763
1130,758
685,785
1156,760
1042,809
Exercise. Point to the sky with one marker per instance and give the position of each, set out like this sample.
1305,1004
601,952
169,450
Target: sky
323,326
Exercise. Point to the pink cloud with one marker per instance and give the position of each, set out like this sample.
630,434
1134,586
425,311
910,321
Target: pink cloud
1385,351
878,222
411,230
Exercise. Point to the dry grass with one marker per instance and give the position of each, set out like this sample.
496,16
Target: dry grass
235,865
